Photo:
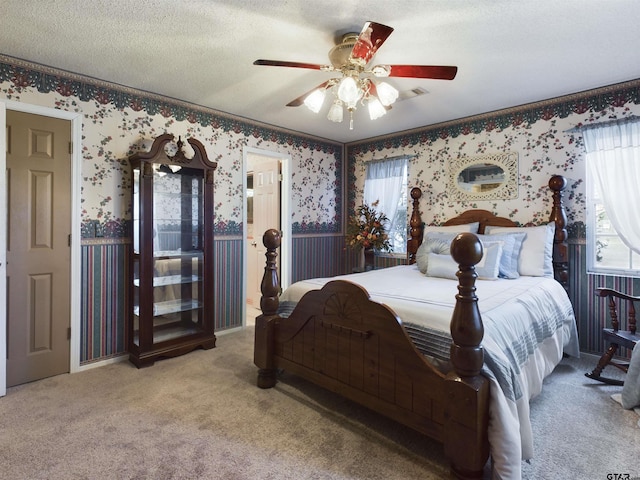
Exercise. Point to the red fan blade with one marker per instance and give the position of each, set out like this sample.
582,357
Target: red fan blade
424,71
278,63
370,39
300,100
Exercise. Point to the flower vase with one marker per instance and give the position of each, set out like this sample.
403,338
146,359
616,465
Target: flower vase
369,257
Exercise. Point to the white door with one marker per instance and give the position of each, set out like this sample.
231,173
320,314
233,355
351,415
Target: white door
266,215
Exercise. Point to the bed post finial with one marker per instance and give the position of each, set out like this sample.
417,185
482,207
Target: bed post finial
467,391
557,184
270,287
415,232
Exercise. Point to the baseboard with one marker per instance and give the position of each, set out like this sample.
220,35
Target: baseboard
590,356
125,356
101,363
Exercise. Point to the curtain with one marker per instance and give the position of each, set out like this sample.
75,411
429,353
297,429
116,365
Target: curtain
383,183
613,162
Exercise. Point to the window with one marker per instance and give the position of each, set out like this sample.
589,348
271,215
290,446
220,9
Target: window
613,193
386,182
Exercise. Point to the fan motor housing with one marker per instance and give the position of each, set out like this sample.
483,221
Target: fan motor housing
339,55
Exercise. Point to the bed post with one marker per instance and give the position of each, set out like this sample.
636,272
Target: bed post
557,184
263,340
415,232
467,402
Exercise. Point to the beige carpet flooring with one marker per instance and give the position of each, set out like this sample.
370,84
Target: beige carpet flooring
200,416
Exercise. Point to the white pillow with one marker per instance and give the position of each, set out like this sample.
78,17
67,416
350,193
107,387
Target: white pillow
467,227
536,254
434,242
488,268
510,252
444,266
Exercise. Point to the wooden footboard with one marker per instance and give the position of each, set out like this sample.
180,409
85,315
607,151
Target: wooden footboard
339,339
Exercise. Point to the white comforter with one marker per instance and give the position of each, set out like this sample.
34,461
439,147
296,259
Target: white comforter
529,323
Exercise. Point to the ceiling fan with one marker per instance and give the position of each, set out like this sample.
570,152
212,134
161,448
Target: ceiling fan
351,58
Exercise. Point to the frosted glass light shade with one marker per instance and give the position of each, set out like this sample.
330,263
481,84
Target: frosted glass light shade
376,109
386,93
315,100
335,112
349,92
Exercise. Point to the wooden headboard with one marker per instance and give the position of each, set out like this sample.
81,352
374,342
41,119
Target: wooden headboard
483,217
557,184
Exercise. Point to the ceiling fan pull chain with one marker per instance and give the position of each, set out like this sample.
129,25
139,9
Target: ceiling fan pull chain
350,119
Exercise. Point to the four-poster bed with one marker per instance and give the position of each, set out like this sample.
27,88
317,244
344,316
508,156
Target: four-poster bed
337,337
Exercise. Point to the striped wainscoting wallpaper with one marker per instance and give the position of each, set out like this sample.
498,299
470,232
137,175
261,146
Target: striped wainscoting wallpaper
104,300
327,256
105,270
592,312
318,256
228,283
579,295
384,261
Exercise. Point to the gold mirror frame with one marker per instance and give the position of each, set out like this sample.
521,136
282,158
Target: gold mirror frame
507,185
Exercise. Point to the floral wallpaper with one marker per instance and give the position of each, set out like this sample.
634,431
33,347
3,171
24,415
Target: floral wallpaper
119,121
540,133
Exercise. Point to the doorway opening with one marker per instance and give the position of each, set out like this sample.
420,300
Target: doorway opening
266,187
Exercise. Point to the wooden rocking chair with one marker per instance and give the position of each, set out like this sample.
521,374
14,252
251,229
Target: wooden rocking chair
614,336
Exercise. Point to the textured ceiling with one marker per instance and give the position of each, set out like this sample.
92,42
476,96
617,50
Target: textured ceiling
508,52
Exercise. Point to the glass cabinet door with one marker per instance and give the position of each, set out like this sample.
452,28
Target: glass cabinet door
177,254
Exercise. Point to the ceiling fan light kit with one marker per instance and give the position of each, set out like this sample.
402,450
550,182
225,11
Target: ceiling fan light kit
315,100
386,93
335,112
350,91
351,57
376,109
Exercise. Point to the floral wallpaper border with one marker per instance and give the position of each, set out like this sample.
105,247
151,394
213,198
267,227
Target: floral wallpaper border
46,79
594,100
431,142
22,74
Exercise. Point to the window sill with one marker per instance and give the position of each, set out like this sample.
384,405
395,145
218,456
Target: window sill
391,254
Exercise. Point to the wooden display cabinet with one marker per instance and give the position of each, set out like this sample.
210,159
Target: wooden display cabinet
172,256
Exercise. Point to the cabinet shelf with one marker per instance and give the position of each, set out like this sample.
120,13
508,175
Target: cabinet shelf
170,280
170,306
168,254
167,193
171,259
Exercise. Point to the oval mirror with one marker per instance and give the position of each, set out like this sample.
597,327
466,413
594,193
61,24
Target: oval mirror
484,177
481,178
